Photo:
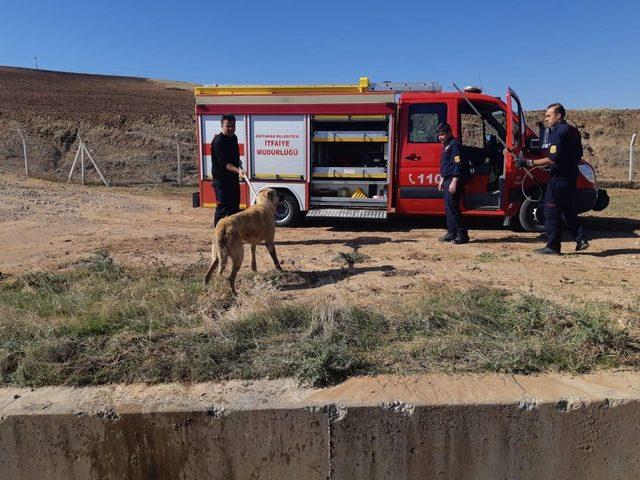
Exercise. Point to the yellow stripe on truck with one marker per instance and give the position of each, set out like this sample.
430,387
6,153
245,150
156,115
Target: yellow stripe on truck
361,87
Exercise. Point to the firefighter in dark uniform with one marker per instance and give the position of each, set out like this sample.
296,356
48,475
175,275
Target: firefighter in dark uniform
225,163
454,171
563,156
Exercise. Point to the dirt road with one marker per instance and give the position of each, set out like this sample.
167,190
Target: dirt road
44,225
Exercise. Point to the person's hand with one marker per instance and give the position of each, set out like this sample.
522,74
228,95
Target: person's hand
440,184
522,162
453,185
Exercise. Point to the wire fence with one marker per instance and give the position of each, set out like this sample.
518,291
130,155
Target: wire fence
147,156
614,160
123,157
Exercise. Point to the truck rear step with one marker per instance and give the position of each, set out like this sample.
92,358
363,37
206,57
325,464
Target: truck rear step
348,213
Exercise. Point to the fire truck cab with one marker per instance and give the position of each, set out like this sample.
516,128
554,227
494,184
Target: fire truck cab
370,150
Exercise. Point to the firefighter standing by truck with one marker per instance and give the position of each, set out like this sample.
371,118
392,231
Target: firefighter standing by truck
453,171
563,156
225,165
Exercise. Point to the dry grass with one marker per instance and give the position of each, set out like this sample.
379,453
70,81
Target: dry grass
95,322
625,203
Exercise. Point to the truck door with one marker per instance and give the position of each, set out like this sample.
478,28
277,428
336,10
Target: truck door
419,155
516,129
482,127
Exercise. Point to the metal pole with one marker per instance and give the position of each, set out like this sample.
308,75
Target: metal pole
633,140
95,165
24,150
73,165
82,147
246,179
178,154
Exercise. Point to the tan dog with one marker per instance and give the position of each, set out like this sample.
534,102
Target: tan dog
256,224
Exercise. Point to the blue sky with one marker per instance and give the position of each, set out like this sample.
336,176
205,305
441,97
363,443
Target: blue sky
582,53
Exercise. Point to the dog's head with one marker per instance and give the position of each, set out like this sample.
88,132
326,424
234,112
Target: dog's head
268,197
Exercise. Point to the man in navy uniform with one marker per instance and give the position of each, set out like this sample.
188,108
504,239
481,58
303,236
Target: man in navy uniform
453,172
225,163
563,156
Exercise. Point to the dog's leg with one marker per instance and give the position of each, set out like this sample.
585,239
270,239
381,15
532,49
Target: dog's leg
222,256
237,255
212,267
254,267
272,251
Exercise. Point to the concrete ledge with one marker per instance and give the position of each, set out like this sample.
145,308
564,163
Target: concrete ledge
432,426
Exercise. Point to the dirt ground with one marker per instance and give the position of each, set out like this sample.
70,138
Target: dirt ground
44,225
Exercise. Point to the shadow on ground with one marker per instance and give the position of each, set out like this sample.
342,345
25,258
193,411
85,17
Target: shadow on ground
301,280
394,224
613,252
356,242
613,224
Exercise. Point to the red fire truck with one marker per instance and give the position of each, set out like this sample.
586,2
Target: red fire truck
370,150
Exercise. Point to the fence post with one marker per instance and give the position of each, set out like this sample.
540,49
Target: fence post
95,165
73,165
179,159
633,140
82,147
24,150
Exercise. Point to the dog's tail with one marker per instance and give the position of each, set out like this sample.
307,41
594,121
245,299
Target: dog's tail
219,254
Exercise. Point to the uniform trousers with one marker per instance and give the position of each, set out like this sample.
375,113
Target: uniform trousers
227,197
455,223
559,203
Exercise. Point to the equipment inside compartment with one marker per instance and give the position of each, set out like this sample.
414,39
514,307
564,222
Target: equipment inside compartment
350,141
351,190
350,156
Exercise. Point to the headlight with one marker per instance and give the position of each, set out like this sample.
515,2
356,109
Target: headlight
587,172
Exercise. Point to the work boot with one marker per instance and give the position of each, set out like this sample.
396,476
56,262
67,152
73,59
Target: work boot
460,239
547,251
449,237
581,245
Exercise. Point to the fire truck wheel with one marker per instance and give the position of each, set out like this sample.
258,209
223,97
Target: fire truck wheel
288,211
531,219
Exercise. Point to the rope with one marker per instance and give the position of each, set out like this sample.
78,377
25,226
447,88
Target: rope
527,173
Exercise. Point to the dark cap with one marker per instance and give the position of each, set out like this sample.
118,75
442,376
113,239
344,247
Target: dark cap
443,128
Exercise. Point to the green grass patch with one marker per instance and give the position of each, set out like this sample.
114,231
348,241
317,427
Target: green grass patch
351,258
486,257
95,322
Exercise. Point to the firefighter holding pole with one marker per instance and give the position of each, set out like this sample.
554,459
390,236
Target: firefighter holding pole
563,156
226,169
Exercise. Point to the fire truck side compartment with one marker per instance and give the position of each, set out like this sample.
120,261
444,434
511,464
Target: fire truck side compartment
349,160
